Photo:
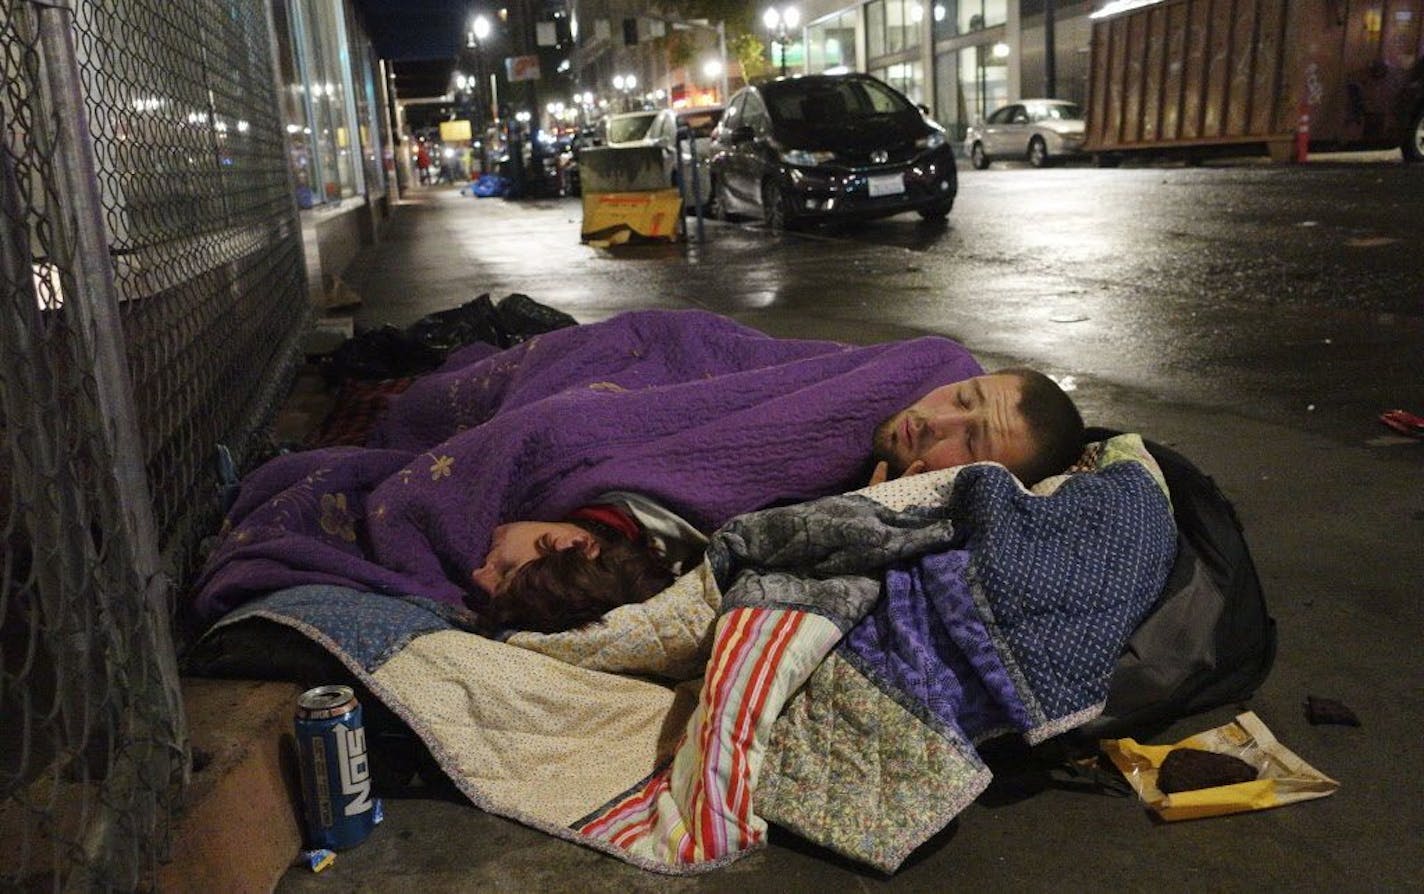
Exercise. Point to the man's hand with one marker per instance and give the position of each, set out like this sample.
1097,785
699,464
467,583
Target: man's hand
882,471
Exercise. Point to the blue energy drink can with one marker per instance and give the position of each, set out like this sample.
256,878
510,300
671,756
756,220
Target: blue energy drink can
336,772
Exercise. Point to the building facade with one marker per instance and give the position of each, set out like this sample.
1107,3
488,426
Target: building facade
960,58
673,62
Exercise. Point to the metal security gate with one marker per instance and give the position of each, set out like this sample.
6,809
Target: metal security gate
151,298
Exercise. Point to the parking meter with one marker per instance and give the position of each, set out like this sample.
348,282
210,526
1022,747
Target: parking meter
685,133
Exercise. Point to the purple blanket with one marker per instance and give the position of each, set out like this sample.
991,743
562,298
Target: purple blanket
700,413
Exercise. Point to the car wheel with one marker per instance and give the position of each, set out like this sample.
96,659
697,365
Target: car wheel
1414,138
977,157
1037,152
774,210
937,211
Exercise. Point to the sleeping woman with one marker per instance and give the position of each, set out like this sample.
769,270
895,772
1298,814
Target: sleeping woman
548,577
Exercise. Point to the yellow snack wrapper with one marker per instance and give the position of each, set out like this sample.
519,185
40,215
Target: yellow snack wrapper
1281,776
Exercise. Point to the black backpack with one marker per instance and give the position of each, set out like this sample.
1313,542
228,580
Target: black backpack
1209,640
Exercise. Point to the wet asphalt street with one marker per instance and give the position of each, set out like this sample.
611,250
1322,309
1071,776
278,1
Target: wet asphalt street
1262,290
1257,318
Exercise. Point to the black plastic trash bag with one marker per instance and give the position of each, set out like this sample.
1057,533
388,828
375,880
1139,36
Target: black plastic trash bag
388,352
382,353
521,318
446,330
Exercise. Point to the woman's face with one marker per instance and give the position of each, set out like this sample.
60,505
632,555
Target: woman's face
516,544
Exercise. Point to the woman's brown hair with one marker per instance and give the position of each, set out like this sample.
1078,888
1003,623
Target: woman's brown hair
564,589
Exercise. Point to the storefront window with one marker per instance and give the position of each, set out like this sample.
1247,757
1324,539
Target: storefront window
295,111
976,15
875,28
333,137
893,26
367,106
334,99
970,83
985,80
942,17
907,77
831,43
949,97
951,18
903,20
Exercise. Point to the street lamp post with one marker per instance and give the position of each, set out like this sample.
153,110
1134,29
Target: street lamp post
475,37
625,84
479,31
781,22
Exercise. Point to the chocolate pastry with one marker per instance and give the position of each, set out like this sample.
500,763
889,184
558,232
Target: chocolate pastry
1187,769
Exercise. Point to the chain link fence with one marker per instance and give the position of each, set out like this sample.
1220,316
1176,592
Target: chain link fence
153,287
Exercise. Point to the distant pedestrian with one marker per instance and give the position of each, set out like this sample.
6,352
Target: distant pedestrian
422,164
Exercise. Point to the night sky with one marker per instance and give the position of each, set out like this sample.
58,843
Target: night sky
409,30
419,39
423,42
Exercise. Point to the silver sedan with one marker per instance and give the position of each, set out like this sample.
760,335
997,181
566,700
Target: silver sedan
1033,130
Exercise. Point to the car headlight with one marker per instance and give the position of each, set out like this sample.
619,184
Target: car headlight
806,158
933,141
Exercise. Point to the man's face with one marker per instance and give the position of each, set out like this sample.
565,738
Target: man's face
515,545
970,421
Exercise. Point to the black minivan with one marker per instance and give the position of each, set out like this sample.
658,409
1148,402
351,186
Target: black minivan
824,147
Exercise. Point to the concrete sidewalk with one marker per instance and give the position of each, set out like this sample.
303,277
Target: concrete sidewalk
1336,528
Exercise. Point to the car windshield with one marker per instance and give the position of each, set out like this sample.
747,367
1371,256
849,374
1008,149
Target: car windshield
629,128
1065,112
700,122
828,103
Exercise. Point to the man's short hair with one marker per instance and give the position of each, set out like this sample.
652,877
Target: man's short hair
564,589
1053,421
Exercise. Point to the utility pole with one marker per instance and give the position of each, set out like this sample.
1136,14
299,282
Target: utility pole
521,29
1050,52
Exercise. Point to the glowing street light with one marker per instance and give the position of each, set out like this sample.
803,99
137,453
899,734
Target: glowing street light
625,84
781,22
479,30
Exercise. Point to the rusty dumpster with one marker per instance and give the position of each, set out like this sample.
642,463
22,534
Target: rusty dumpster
1198,77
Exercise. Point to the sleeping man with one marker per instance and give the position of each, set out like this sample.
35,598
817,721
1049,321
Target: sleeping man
693,411
1018,418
